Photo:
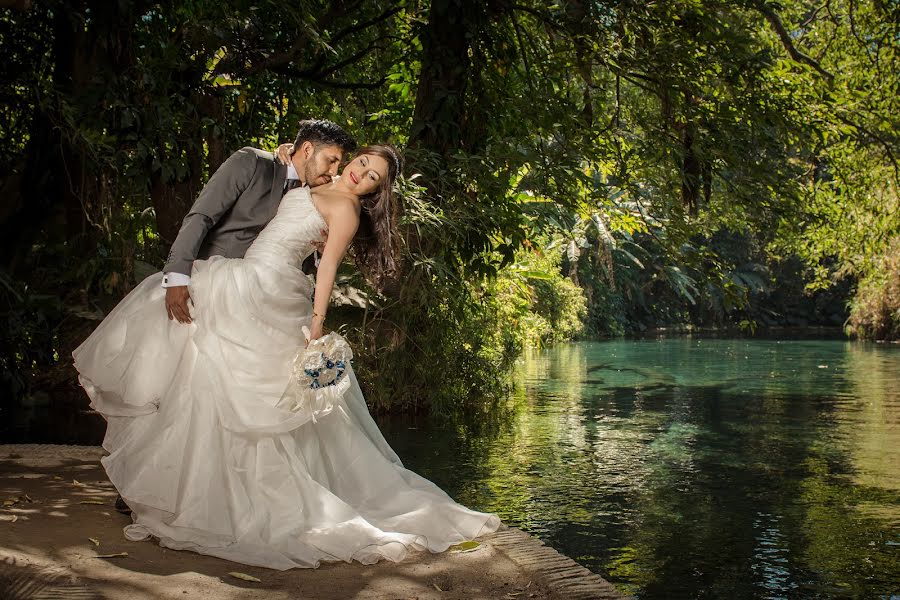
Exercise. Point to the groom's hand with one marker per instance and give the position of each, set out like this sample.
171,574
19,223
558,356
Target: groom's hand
177,299
320,246
283,153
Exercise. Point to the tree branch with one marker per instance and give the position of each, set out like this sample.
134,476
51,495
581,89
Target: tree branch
812,16
274,61
365,25
885,145
786,41
270,62
22,5
318,79
541,16
353,85
319,73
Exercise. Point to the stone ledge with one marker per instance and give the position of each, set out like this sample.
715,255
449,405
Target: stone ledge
565,578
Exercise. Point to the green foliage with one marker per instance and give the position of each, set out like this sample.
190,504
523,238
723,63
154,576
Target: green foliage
682,162
875,311
452,350
448,346
536,300
28,328
851,212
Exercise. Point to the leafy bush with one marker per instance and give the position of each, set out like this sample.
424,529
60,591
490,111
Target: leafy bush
28,328
875,309
448,337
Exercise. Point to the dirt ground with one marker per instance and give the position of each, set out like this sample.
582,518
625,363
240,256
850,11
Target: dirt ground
57,520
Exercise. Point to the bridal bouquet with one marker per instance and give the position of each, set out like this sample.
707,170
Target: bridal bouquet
323,362
319,376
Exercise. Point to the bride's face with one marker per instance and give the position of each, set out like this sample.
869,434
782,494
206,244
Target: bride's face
364,174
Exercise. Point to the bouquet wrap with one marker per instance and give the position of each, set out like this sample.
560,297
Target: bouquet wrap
320,376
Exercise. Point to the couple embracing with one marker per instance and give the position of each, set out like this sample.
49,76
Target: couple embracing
191,369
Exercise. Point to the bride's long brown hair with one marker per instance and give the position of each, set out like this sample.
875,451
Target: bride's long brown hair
375,245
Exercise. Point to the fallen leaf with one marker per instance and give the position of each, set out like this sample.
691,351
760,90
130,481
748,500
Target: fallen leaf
57,477
76,482
244,576
95,541
117,555
465,547
437,587
10,501
92,502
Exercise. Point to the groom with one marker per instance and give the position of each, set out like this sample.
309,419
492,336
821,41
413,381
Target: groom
241,197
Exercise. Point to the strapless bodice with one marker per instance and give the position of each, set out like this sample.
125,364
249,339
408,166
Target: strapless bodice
290,235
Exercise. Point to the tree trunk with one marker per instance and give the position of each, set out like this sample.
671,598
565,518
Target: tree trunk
441,96
690,171
211,106
31,200
172,199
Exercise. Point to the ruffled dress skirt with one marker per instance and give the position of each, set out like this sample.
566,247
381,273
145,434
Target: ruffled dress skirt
210,457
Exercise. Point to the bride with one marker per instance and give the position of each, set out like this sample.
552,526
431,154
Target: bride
202,444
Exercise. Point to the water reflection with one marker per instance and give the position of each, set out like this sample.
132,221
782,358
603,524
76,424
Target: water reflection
694,468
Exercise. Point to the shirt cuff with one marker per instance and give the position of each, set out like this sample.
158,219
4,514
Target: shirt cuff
175,280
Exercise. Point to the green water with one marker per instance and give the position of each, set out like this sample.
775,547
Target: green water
694,468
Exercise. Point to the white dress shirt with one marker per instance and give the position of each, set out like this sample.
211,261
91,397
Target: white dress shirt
180,279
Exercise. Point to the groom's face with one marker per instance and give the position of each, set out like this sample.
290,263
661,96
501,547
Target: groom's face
321,163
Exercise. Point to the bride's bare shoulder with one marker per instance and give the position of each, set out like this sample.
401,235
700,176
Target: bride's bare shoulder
331,202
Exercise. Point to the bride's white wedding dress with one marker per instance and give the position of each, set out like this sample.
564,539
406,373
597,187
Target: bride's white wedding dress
206,455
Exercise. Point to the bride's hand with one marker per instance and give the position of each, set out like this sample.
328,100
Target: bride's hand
315,328
283,153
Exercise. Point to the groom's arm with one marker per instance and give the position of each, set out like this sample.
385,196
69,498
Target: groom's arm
217,197
219,194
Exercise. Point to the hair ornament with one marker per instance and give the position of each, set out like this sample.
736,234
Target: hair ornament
395,157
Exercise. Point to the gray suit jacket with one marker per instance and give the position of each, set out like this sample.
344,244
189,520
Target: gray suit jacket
239,200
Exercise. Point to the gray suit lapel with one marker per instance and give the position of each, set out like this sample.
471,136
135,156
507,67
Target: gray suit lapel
277,182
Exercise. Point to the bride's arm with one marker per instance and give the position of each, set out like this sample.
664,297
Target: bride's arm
342,223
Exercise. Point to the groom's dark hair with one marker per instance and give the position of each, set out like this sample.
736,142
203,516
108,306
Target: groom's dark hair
323,132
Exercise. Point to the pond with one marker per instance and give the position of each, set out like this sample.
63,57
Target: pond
693,468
